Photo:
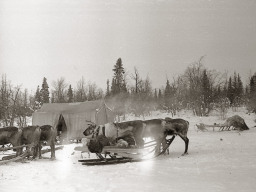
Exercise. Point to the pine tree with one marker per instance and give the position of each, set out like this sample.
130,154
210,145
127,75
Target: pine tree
118,82
240,88
44,92
160,96
70,94
234,85
38,99
206,90
168,96
230,93
53,98
252,95
108,91
155,95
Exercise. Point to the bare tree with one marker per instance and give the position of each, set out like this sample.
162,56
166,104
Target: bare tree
59,90
137,79
81,91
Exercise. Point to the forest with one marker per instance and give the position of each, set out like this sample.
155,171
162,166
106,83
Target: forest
198,89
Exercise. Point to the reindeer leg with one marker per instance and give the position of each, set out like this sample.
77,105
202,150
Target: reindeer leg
35,151
167,143
53,150
39,150
186,140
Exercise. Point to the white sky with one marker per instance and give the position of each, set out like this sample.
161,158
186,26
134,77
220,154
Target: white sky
75,38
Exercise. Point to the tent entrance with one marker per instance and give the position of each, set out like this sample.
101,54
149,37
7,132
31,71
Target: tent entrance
62,128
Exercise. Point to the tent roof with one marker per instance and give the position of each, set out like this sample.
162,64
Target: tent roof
87,106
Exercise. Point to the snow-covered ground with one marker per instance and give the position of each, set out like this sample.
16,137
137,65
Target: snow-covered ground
217,161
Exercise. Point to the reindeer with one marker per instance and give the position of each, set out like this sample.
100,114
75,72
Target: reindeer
137,130
236,122
31,135
11,135
48,134
177,127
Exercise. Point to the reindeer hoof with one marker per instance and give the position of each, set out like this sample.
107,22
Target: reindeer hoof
184,154
53,158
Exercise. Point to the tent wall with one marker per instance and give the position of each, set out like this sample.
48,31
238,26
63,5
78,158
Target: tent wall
77,123
76,116
43,118
104,115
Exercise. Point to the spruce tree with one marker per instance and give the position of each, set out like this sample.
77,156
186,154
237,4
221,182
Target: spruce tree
206,90
234,85
70,94
240,88
38,99
168,96
168,90
108,91
45,91
160,96
118,82
230,93
155,95
252,95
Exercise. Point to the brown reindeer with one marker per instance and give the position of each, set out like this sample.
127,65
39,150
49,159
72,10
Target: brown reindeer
31,135
236,122
11,135
131,129
48,134
177,127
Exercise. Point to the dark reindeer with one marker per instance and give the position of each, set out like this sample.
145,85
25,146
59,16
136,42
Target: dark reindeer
48,134
11,135
236,122
136,130
177,127
31,135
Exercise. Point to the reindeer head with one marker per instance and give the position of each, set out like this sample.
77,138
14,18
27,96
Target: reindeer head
90,130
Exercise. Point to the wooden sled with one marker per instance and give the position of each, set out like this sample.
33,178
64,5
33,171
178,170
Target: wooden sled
203,127
14,158
115,155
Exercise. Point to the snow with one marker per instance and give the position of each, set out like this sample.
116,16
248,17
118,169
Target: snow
217,161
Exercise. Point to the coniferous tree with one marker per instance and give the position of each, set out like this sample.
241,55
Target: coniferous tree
168,96
240,88
155,95
113,87
252,95
207,93
234,84
44,92
70,94
108,91
167,91
230,93
206,87
160,96
118,82
53,98
38,99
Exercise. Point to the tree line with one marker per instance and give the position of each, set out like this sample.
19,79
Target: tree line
198,89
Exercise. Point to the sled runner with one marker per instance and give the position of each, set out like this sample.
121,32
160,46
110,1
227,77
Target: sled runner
13,158
117,155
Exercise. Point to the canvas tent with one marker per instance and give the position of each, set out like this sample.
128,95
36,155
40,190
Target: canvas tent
72,118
